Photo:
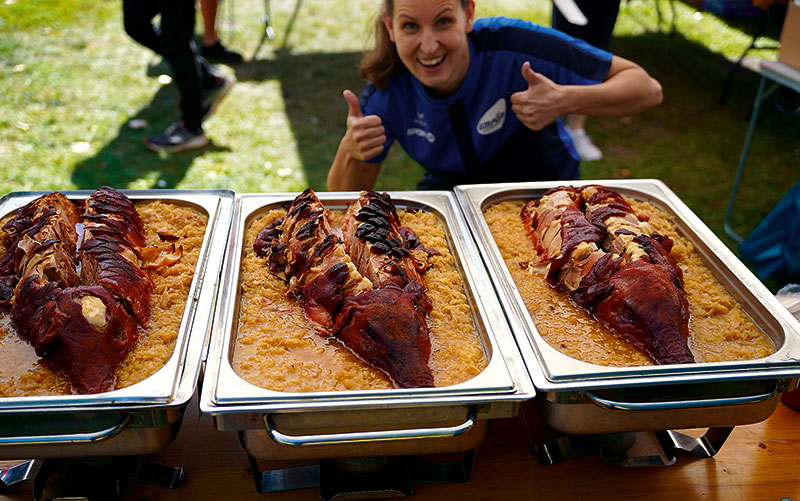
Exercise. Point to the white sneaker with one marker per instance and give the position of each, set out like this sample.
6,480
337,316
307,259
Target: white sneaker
584,145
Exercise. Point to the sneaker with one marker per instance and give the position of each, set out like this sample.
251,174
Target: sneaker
584,145
220,54
214,94
177,138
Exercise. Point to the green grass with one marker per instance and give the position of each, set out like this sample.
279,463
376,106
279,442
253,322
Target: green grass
71,81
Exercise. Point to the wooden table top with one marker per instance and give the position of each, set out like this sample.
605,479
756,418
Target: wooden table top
758,461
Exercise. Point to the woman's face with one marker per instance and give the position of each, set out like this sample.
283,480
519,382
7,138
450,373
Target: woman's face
431,40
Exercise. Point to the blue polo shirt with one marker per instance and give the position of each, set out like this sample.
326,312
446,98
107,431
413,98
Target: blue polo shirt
473,136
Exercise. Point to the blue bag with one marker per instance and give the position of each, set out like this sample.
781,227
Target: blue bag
773,248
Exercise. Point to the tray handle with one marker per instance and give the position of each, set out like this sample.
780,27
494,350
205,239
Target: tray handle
69,438
369,436
679,404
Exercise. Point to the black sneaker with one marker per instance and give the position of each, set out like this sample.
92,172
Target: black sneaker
177,138
220,54
214,94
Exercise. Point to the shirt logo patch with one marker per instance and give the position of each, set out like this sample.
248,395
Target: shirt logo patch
493,119
415,131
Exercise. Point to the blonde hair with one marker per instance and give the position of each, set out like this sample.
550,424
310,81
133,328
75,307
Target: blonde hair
382,63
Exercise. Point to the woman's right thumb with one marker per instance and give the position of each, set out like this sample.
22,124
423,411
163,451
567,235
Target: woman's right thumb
353,106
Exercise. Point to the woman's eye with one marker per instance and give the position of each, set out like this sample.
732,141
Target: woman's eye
409,26
444,22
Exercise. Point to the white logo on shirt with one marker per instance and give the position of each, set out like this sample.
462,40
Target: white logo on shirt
414,131
493,119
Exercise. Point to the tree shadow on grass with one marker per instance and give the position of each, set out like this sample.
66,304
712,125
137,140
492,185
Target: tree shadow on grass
311,86
692,141
126,159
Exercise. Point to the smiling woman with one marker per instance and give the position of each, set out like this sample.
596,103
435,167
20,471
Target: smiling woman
429,42
478,100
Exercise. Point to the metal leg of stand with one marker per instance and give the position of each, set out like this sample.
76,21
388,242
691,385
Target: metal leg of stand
444,472
284,479
364,478
706,446
566,447
290,25
760,96
269,31
632,449
726,85
96,478
20,473
151,472
643,448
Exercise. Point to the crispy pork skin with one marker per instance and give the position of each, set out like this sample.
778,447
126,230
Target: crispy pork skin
76,282
368,294
116,212
639,302
303,250
43,240
602,254
373,237
385,329
111,230
84,331
108,262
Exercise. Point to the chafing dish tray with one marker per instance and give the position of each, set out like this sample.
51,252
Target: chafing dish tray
292,425
582,398
146,416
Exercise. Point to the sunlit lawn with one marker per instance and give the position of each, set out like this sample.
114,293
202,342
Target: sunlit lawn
71,81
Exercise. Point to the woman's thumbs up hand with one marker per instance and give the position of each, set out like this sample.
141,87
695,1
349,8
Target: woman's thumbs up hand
365,135
541,103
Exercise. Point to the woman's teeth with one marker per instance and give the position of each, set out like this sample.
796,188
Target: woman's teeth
431,62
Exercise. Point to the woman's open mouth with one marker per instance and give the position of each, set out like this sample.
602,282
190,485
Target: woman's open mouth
432,63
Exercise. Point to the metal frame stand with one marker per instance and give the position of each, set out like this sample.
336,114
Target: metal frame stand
269,31
779,74
92,478
363,478
763,21
643,448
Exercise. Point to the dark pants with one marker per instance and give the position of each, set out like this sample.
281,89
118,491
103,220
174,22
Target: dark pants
173,42
601,16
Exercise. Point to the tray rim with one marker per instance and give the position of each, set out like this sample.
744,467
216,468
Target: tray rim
785,363
174,383
217,399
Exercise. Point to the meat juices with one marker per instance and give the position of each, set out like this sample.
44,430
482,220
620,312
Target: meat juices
70,294
603,256
367,291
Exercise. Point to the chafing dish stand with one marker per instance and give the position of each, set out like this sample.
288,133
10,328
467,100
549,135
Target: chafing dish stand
354,478
91,478
624,449
640,448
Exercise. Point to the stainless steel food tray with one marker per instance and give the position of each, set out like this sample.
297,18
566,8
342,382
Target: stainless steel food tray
580,397
143,417
335,421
